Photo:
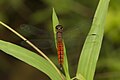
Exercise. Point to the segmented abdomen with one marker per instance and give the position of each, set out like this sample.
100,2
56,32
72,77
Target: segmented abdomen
60,52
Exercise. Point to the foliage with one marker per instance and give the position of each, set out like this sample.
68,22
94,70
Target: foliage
76,19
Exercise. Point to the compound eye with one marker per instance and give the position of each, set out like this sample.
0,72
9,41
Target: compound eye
56,27
59,27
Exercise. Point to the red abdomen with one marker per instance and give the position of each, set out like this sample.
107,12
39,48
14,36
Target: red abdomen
60,51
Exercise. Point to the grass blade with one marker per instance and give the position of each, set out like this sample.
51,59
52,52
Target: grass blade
65,64
33,46
91,48
30,58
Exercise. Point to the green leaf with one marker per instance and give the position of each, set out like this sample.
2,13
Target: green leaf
80,77
65,63
30,58
90,52
55,23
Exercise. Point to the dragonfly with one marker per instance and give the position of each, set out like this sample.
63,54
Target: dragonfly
45,43
60,49
44,40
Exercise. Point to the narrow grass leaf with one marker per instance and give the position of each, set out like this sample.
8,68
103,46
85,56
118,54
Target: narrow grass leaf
90,52
30,58
65,64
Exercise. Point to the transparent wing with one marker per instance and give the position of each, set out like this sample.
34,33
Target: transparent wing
37,36
43,40
40,43
29,30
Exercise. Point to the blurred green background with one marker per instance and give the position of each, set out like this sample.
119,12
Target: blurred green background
76,17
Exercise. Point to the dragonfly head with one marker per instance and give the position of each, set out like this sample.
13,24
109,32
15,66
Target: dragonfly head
59,28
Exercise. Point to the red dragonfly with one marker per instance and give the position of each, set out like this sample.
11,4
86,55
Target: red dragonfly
44,42
60,49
